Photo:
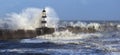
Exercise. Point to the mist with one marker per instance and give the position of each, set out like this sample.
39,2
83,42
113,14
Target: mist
28,18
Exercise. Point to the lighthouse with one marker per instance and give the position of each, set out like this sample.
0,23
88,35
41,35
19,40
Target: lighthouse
43,29
43,19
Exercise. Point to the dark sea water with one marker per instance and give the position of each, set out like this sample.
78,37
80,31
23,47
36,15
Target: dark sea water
68,43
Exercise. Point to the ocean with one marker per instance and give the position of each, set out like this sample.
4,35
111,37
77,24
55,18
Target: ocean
70,38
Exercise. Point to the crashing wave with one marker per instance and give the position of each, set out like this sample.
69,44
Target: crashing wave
62,37
88,27
68,35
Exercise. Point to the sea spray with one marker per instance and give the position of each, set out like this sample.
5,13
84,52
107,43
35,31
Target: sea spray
28,19
52,17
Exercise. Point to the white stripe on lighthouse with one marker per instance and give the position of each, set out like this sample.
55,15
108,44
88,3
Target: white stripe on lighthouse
44,20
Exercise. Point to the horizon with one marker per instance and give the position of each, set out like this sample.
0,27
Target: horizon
86,20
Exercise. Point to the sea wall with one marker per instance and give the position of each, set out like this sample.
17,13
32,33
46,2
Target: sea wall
16,34
6,34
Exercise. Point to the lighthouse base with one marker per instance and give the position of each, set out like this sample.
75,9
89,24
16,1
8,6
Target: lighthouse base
44,30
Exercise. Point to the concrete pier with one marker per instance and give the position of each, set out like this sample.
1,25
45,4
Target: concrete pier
22,34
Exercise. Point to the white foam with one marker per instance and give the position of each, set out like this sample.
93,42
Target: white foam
95,25
80,24
68,35
62,37
28,19
85,25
